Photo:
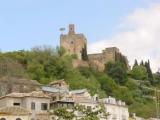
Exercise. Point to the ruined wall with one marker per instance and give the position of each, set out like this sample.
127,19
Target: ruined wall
99,60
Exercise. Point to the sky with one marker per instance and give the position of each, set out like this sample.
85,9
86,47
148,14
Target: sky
131,25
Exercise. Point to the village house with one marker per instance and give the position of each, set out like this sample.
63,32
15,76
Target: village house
117,109
57,90
37,103
14,113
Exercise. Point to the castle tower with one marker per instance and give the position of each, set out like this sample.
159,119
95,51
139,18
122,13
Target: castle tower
73,43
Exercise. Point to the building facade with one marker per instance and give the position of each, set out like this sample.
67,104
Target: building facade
37,103
117,110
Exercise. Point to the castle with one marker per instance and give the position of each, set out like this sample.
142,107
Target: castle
73,43
76,44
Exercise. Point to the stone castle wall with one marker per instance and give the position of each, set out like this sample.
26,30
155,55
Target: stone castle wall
73,43
107,55
99,60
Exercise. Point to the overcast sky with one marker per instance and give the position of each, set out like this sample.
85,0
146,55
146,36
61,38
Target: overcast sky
131,25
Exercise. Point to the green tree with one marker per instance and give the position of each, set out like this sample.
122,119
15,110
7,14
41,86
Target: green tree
149,71
64,114
142,63
121,59
84,53
117,71
135,63
107,83
139,72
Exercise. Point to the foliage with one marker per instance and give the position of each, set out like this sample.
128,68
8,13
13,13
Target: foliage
88,113
149,71
46,64
64,114
117,71
139,72
121,59
135,63
84,53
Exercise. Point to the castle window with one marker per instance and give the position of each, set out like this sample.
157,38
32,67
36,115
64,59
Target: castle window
72,42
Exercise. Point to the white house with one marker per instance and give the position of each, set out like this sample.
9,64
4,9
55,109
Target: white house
35,102
117,109
14,113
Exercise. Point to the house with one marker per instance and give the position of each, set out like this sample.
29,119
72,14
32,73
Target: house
35,102
62,84
117,109
14,113
57,90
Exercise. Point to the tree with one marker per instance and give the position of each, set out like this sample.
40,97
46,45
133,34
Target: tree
91,113
88,113
64,114
122,59
139,72
142,63
135,63
149,71
117,71
107,83
84,53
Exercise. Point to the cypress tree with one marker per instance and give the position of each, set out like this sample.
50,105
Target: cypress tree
142,63
135,63
149,72
84,53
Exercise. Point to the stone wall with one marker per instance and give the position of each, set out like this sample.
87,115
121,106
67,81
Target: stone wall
99,60
73,43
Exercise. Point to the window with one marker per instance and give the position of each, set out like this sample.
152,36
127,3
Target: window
16,104
33,105
44,106
72,42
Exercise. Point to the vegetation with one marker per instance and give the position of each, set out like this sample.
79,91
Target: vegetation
46,64
87,113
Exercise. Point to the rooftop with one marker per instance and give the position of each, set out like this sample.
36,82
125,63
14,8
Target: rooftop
35,94
53,89
79,91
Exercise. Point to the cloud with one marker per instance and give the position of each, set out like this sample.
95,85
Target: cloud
138,37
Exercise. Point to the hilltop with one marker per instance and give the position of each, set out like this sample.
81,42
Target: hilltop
46,64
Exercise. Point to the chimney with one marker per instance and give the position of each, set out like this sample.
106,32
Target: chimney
71,29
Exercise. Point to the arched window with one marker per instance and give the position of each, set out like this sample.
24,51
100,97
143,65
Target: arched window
3,119
18,119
